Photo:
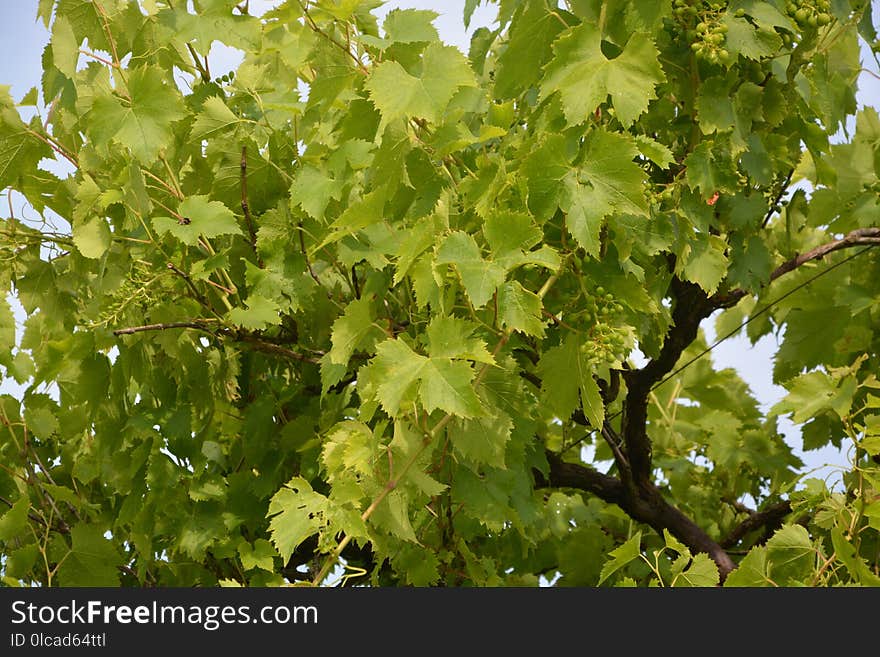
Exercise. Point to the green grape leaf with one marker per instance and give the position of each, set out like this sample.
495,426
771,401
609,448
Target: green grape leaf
200,217
215,117
447,385
92,560
296,512
410,26
584,77
141,120
479,277
352,330
621,556
702,571
520,310
92,237
398,95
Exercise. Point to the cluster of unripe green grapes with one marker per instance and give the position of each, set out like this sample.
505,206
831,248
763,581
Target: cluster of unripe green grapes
606,343
703,29
809,13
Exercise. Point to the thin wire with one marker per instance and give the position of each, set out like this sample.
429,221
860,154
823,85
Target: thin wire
730,334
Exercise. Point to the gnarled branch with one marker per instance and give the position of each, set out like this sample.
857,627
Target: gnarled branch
648,506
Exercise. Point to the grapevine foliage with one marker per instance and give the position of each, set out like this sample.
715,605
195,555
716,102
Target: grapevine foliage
365,310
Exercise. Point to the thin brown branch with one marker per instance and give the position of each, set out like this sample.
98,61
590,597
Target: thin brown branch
199,325
769,519
197,295
779,194
857,237
55,146
315,28
164,184
203,72
271,348
614,442
117,64
246,209
89,53
302,246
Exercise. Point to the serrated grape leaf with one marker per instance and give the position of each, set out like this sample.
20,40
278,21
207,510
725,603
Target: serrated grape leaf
607,182
416,241
814,393
452,337
312,190
652,149
446,384
706,264
353,329
92,237
510,233
393,516
216,23
19,152
418,566
542,170
15,520
65,47
483,440
358,215
410,26
707,171
296,512
591,397
400,369
520,309
848,555
142,121
398,95
790,554
201,217
584,77
470,7
751,41
531,35
621,556
479,277
752,570
92,561
397,372
214,118
751,263
259,314
701,572
808,334
715,111
561,394
7,332
259,555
